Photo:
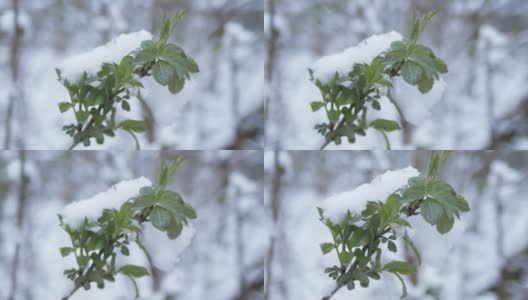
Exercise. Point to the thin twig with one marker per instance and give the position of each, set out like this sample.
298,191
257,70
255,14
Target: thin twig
141,218
392,73
410,211
141,72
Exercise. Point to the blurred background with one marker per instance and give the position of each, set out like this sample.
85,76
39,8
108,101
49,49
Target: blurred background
220,108
484,43
224,261
484,256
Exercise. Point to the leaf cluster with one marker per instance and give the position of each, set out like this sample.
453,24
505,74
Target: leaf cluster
96,99
348,98
95,245
165,209
359,240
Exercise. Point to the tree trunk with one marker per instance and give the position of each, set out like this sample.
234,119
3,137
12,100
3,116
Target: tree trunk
275,206
150,121
22,198
15,60
490,96
235,93
271,52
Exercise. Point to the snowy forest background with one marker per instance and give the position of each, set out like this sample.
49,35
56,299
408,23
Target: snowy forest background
484,257
220,108
224,261
484,43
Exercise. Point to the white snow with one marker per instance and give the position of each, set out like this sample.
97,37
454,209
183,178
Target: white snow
416,107
493,36
74,213
90,62
335,207
165,253
326,67
13,170
238,32
506,172
7,21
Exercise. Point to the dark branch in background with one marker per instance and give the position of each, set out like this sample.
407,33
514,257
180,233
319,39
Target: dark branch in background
513,125
22,200
278,172
249,131
14,53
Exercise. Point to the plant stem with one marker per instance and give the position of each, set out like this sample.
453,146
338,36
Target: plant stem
410,211
141,72
392,73
141,218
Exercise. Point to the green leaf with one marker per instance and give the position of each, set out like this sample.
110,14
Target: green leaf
416,181
411,72
125,105
125,251
441,66
174,229
160,217
133,271
462,204
176,85
394,56
146,190
175,204
424,57
444,224
397,45
148,45
345,258
146,56
333,115
82,116
316,105
133,125
413,193
392,246
83,260
163,72
425,84
64,106
182,64
401,267
376,105
444,193
359,238
431,210
65,251
142,201
384,125
327,247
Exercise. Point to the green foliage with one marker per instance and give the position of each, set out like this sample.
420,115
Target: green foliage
359,240
96,99
95,244
347,99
